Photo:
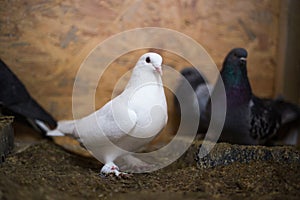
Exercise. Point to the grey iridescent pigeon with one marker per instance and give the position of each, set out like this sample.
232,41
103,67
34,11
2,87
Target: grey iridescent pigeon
193,78
249,119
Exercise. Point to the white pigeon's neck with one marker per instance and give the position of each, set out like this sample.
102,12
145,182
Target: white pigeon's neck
142,76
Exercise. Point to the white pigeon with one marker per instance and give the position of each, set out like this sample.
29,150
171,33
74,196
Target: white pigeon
127,122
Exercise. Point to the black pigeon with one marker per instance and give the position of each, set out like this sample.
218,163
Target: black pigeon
15,100
193,78
249,119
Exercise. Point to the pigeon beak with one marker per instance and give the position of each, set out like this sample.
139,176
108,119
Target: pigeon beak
243,61
157,68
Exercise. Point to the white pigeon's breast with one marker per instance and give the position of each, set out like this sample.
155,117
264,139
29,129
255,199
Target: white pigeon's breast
149,103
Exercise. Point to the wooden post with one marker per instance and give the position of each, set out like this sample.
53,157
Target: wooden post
287,77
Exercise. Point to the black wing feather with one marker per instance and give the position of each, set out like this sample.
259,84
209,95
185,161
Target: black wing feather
264,119
15,97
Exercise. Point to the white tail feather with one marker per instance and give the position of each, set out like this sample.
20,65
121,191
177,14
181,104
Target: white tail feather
42,125
55,133
63,128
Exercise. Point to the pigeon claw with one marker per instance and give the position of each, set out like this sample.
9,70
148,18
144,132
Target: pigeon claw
111,169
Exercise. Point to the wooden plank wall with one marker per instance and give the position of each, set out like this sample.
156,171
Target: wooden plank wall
45,41
287,77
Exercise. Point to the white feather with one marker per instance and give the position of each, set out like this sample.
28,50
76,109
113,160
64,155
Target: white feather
127,122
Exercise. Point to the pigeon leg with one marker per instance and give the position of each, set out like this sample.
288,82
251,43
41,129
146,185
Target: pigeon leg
111,168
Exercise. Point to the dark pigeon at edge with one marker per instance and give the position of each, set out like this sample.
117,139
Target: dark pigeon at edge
15,100
250,119
201,87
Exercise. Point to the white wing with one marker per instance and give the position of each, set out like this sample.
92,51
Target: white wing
112,121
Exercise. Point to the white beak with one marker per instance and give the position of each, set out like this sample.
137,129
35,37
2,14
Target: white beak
158,69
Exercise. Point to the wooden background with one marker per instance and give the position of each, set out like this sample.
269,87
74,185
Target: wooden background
45,41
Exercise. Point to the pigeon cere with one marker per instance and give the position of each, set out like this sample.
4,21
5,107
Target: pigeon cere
149,99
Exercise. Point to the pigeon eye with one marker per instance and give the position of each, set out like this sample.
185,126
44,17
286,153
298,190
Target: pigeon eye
148,60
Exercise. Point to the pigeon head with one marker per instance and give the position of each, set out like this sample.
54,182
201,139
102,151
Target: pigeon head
236,57
193,76
234,70
234,75
152,60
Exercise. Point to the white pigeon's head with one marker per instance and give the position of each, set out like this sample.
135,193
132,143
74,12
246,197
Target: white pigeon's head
152,60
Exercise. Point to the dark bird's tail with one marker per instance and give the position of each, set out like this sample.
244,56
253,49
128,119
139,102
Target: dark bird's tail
289,132
15,100
37,117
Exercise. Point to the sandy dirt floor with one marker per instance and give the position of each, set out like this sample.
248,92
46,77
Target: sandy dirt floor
47,171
